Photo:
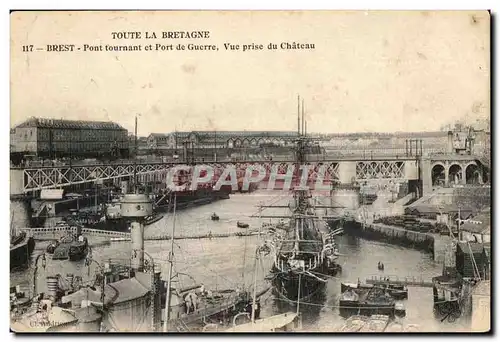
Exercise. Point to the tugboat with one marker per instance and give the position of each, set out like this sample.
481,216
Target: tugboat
215,217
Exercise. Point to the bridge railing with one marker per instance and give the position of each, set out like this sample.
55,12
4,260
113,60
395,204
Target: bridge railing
55,232
329,154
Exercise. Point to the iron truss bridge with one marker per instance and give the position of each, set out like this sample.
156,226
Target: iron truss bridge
61,176
377,170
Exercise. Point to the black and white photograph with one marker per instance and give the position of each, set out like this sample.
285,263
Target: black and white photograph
238,172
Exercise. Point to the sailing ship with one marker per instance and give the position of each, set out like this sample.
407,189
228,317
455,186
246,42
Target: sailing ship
305,253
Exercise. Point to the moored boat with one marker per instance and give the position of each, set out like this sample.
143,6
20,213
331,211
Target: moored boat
72,246
396,291
288,321
349,299
242,224
399,310
365,300
353,324
52,247
375,324
21,247
152,219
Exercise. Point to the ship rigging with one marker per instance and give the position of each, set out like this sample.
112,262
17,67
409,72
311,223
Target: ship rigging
305,251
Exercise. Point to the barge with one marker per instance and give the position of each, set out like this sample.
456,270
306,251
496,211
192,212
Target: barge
396,291
366,301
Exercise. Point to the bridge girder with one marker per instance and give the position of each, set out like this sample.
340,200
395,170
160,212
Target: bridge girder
56,177
380,170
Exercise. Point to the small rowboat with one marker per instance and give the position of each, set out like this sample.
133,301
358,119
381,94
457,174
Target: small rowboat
241,225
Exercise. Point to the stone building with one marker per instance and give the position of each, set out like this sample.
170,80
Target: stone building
57,138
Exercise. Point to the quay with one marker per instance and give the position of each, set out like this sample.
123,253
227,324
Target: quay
434,243
428,223
395,235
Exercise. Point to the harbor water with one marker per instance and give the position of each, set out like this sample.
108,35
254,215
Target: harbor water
229,262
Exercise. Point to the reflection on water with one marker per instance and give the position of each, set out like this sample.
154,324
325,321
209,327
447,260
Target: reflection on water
229,262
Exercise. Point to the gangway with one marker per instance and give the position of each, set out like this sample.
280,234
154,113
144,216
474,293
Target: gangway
407,281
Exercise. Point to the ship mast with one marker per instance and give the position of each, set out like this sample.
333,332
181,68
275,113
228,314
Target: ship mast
135,157
171,264
300,194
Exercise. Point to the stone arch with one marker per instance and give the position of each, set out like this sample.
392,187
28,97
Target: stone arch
230,143
253,142
245,142
455,173
237,142
438,174
473,174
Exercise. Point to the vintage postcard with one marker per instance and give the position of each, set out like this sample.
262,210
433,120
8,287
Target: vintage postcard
250,171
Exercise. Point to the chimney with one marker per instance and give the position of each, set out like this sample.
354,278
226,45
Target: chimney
450,142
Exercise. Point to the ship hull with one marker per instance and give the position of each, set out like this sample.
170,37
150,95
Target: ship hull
286,286
115,225
118,224
20,254
349,227
191,200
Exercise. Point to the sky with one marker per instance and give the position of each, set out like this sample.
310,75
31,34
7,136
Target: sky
369,71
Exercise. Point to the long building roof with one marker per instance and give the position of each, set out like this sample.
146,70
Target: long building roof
236,134
69,124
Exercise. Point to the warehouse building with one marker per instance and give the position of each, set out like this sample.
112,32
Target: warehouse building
221,139
55,138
